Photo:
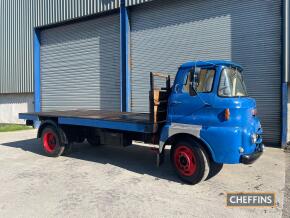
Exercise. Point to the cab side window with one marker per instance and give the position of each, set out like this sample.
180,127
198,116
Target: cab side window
201,81
187,83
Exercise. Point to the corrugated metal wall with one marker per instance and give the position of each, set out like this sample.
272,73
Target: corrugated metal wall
17,19
54,11
136,2
80,65
165,33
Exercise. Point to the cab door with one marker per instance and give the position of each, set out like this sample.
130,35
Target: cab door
189,94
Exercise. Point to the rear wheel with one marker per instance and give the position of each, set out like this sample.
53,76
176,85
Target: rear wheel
190,161
51,142
67,149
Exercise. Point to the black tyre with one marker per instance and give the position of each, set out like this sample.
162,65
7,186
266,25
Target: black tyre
214,169
94,140
68,144
67,149
51,142
190,161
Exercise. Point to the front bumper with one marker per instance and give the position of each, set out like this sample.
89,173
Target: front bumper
251,158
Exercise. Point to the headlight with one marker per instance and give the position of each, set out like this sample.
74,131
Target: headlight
254,138
254,112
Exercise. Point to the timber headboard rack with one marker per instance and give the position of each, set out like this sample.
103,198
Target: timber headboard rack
158,98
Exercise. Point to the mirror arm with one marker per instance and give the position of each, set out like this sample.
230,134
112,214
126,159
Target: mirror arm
192,91
176,88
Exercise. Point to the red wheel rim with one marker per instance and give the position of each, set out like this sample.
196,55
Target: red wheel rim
49,141
185,160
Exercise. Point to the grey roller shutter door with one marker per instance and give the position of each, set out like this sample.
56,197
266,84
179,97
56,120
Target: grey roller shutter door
165,34
80,65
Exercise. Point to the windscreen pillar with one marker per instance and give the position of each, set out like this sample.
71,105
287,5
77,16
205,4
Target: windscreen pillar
124,62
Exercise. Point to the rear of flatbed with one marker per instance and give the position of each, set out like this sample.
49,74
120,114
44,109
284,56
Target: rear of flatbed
147,123
63,128
107,127
58,130
96,126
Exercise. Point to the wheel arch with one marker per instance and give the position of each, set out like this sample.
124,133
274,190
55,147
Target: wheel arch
181,136
45,124
52,123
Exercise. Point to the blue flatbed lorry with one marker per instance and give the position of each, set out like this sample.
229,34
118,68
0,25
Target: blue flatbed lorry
206,116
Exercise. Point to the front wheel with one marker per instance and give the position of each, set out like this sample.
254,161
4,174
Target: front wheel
215,168
190,161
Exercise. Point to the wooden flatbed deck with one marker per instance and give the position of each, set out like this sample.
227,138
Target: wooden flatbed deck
126,121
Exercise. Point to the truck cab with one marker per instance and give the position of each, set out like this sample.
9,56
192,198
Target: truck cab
210,109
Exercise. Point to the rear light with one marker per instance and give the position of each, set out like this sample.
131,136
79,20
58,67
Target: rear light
227,114
254,112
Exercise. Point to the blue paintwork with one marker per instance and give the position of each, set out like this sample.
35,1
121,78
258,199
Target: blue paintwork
284,113
125,87
223,138
36,61
209,63
128,73
124,126
33,117
134,127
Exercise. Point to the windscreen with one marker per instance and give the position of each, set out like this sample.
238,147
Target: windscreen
232,83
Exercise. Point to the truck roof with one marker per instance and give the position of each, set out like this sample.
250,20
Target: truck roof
209,63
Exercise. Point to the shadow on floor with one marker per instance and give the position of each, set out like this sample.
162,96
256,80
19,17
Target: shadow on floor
135,158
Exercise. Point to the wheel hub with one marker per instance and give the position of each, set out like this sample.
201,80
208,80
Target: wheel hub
49,141
185,160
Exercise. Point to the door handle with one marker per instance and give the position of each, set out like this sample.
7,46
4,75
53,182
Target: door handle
176,102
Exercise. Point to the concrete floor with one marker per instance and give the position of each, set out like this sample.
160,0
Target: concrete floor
286,209
116,182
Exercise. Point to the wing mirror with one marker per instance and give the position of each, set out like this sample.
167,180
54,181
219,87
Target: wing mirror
194,80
